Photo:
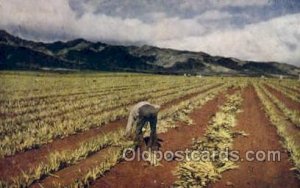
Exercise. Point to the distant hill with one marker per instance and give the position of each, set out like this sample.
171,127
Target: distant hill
19,54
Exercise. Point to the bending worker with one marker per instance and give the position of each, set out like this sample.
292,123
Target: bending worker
139,115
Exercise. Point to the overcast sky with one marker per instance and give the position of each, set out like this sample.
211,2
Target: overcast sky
261,30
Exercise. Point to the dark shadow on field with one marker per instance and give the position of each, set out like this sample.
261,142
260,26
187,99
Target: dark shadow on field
147,138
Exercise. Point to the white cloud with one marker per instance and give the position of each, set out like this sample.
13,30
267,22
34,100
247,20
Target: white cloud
265,41
43,17
273,40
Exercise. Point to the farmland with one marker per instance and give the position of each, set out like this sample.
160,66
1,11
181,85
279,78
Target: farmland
67,129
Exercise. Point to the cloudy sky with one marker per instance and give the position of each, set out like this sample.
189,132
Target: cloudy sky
261,30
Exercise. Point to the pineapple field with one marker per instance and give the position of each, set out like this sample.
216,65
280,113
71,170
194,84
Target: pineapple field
67,130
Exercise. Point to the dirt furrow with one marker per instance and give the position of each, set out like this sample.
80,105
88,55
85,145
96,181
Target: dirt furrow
176,139
12,166
287,101
262,137
292,89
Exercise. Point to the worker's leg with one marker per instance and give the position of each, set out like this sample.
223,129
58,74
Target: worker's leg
139,139
153,136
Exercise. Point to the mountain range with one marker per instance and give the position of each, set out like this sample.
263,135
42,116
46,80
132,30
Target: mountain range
80,54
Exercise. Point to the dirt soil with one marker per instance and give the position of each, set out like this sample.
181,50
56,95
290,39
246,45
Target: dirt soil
12,166
141,174
292,89
262,136
286,100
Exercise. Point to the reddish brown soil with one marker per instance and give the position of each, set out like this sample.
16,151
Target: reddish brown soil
100,94
286,100
12,166
141,174
68,175
185,97
293,89
262,136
